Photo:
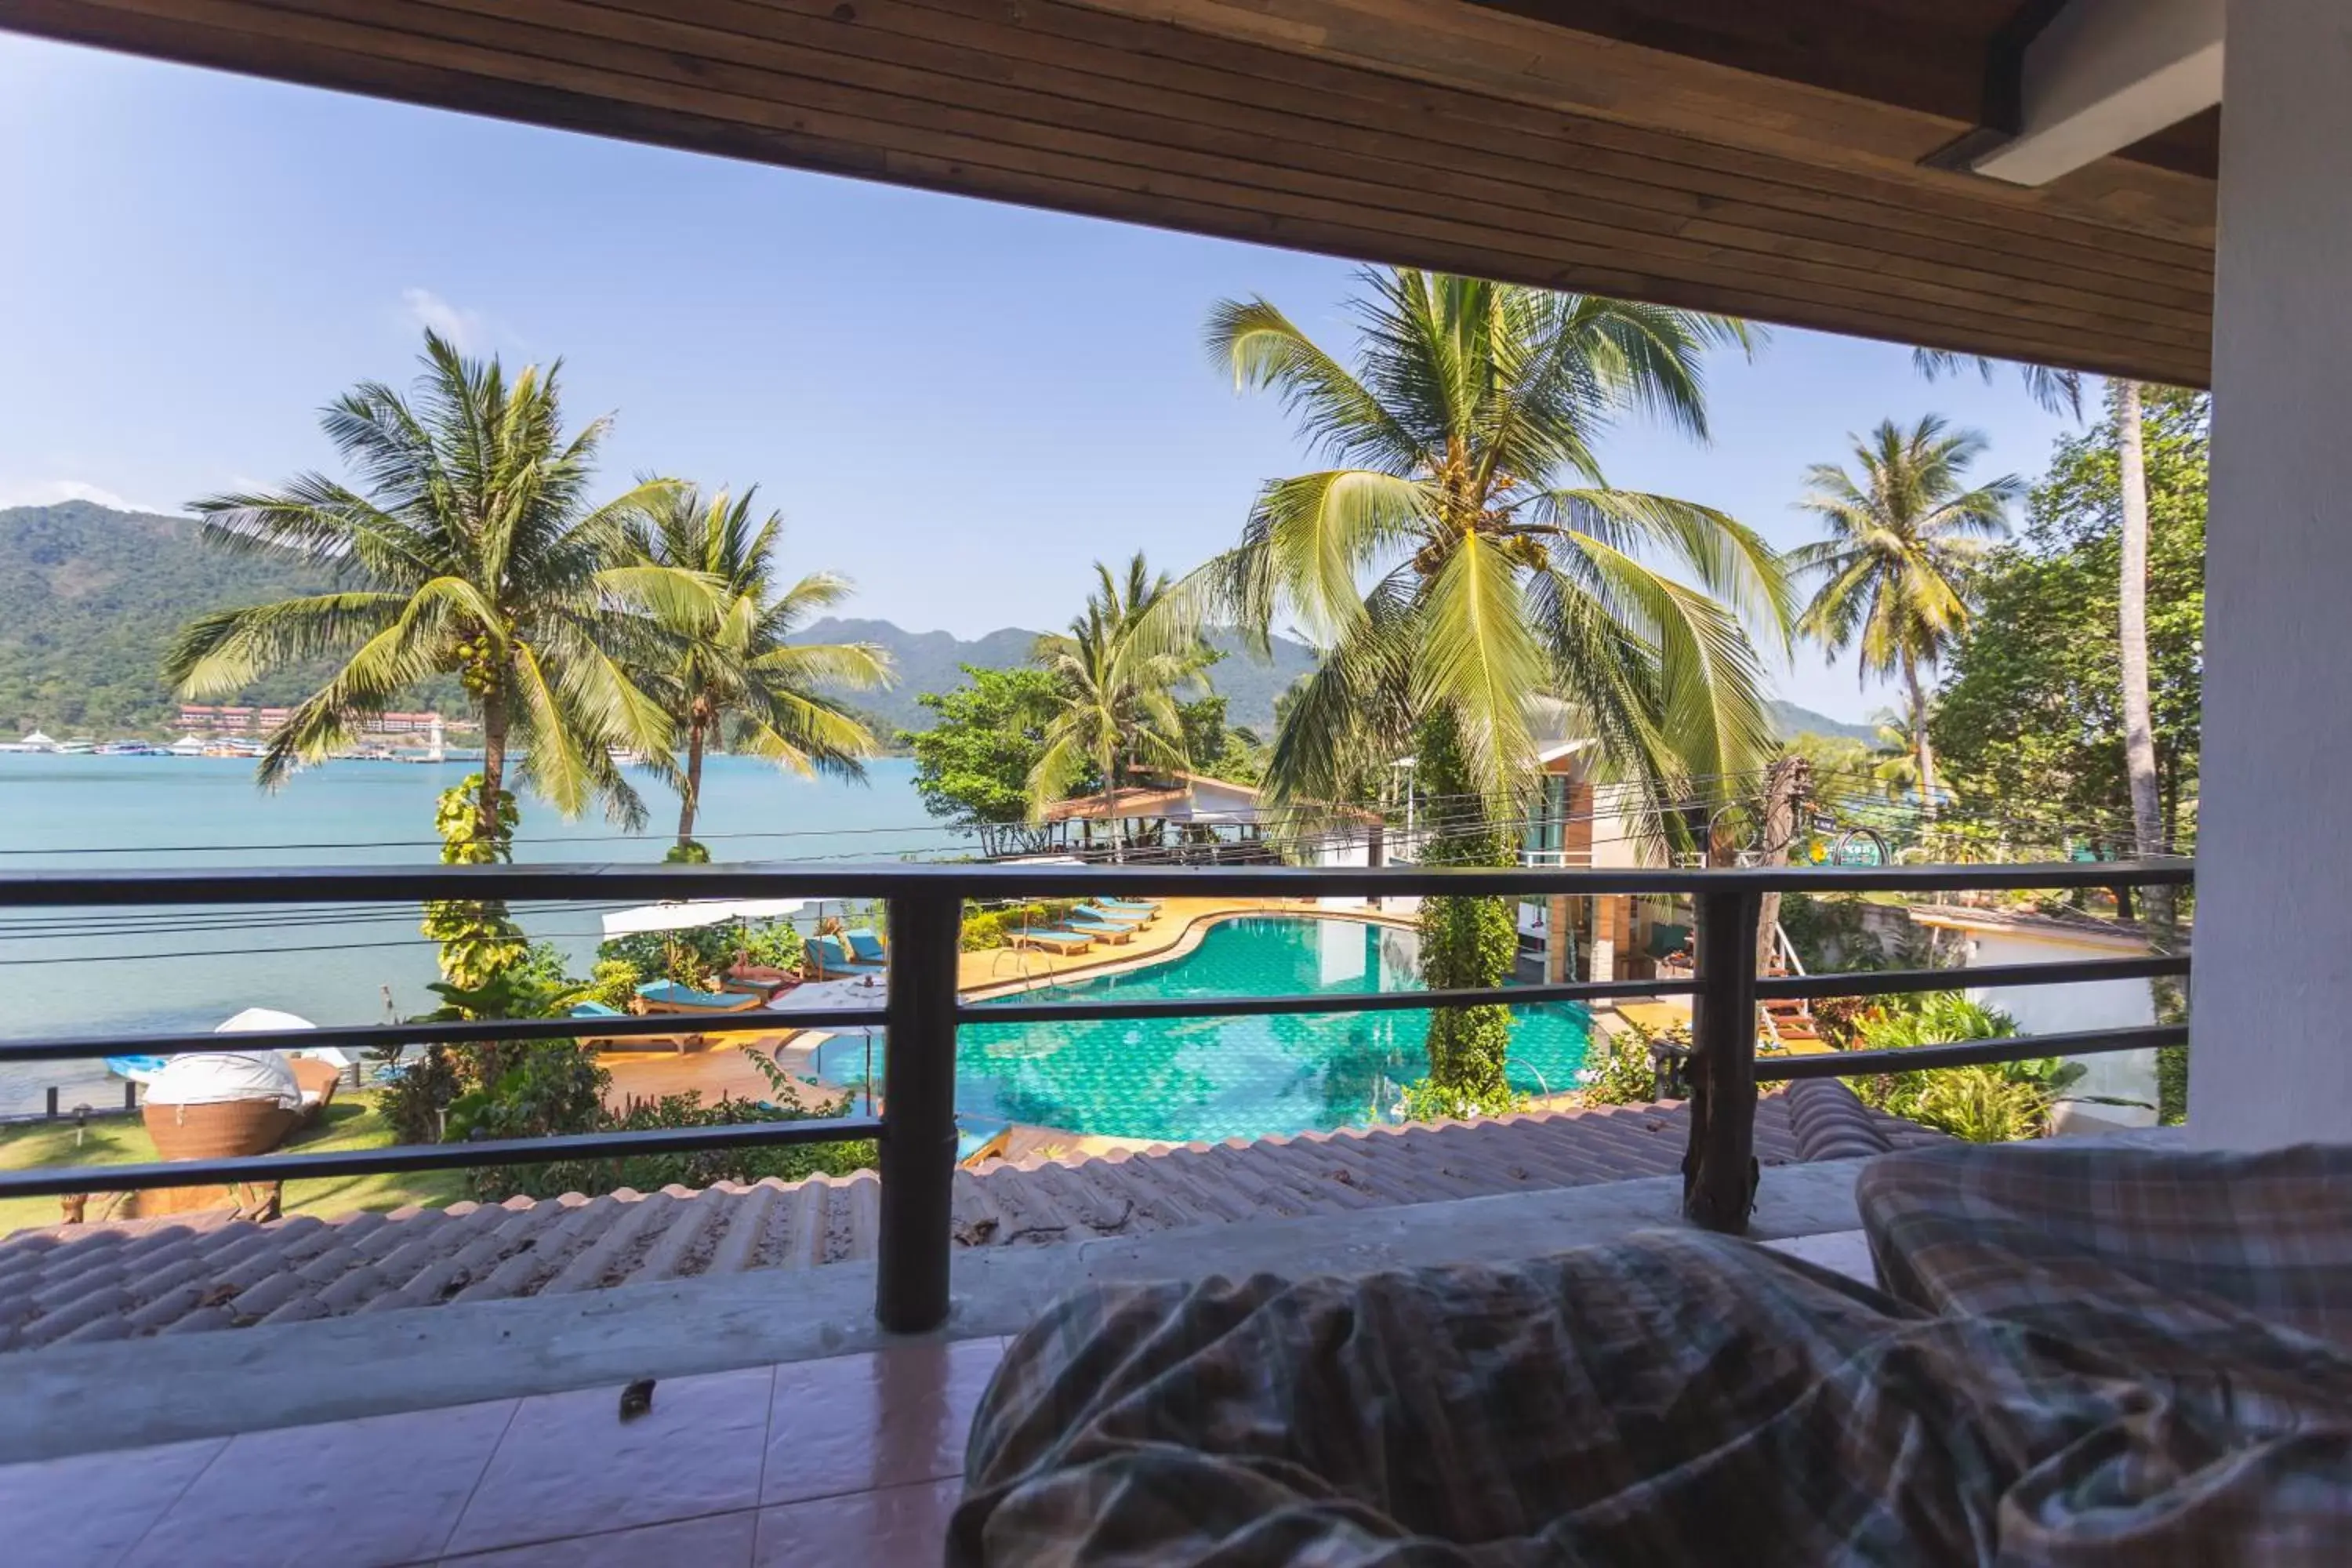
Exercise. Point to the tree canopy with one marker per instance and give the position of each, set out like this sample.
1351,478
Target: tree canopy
973,765
2031,710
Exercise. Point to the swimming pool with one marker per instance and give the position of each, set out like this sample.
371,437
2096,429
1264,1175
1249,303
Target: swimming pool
1207,1078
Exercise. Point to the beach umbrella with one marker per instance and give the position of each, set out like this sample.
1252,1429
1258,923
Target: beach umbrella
690,915
254,1019
865,992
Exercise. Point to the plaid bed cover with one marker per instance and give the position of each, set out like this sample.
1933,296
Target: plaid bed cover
1676,1398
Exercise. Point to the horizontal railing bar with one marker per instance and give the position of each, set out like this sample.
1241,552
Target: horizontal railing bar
50,1183
371,1035
1968,1053
606,882
1886,982
1356,1002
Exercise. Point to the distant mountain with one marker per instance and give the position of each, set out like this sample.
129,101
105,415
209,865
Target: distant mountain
929,661
89,599
1788,721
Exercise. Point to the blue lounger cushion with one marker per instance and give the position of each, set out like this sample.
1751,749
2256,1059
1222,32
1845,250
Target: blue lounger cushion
681,996
866,947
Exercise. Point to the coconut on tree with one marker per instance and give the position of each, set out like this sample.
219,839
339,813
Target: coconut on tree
1891,577
468,545
737,678
1463,561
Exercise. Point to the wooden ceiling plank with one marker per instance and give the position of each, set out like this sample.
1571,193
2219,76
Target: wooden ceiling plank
1341,125
1852,264
1493,52
656,50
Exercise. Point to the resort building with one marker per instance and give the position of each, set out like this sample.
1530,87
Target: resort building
200,719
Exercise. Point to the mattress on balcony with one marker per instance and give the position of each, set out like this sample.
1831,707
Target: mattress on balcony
2193,1242
1674,1397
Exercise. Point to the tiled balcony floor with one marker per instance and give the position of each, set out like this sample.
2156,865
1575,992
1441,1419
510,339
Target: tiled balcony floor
841,1463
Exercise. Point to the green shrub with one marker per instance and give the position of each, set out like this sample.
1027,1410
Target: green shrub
1426,1099
615,983
1983,1105
775,945
1620,1070
417,1094
1994,1103
695,1168
985,929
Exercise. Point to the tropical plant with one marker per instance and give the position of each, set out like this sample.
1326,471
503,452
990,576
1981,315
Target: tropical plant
973,765
1465,558
1991,1104
478,937
740,678
469,548
1116,672
1620,1069
1894,759
2031,712
1903,539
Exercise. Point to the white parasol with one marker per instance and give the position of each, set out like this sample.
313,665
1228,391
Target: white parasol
865,992
254,1019
699,913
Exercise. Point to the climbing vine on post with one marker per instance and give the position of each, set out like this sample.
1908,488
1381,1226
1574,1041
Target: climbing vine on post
479,941
1466,942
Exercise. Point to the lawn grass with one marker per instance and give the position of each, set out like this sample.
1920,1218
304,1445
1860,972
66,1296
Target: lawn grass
350,1123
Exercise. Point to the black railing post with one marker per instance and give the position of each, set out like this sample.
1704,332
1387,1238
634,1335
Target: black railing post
1720,1170
919,1130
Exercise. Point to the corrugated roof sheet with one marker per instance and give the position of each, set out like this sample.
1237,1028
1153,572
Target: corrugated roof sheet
69,1284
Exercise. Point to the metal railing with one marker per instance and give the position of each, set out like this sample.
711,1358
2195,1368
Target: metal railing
916,1130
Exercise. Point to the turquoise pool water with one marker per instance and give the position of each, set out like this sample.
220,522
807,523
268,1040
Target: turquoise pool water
1224,1078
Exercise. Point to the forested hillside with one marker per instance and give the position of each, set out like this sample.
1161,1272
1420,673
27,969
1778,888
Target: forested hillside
89,600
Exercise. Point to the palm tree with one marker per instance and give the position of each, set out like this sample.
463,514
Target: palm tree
1903,540
2061,391
740,677
470,548
1895,758
1115,671
1463,557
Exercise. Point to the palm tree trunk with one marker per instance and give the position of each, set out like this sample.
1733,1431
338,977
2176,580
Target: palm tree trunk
494,765
689,799
2131,599
1110,766
2140,732
1923,754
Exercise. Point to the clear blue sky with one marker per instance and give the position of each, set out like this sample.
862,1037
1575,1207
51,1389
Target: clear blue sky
957,404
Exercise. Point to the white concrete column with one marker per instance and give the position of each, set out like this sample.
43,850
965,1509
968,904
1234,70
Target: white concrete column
2272,994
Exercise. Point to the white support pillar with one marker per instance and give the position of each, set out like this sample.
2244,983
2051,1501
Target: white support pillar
2271,1058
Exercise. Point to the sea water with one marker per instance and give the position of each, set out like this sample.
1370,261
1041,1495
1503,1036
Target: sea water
111,973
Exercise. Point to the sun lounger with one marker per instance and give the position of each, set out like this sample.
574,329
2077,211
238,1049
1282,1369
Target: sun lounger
1110,917
1061,942
1102,931
865,947
679,1043
1147,908
670,996
833,958
977,1140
